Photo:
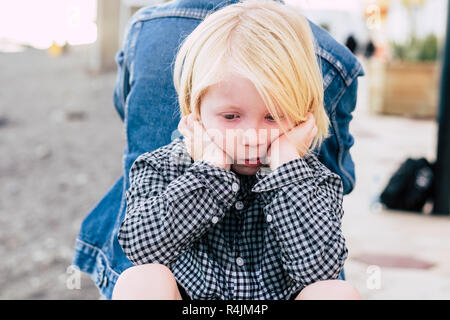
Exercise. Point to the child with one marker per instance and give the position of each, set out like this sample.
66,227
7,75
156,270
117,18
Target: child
240,208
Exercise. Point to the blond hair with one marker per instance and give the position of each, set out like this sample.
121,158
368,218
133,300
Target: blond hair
269,43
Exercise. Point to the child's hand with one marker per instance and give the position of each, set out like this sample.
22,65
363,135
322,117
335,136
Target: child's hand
294,144
200,145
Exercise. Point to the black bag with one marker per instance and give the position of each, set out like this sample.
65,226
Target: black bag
410,186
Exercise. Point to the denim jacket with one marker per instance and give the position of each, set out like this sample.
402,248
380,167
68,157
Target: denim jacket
146,101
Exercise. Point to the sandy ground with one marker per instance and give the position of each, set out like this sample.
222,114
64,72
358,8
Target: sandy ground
61,143
382,144
61,146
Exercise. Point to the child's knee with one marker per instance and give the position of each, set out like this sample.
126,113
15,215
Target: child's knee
139,281
330,290
145,271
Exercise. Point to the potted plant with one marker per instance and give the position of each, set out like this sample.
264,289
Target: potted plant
407,84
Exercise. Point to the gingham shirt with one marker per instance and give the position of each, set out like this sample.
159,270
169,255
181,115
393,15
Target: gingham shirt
230,236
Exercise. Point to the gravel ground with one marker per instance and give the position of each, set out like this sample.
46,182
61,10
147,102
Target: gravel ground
61,142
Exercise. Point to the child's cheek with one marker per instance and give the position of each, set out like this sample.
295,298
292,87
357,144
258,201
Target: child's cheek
224,135
218,135
225,139
229,141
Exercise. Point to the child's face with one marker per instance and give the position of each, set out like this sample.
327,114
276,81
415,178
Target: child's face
240,123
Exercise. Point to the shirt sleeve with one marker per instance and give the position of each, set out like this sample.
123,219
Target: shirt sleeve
164,218
305,210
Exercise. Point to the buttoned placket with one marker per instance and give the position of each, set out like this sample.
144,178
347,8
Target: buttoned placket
239,220
239,205
238,261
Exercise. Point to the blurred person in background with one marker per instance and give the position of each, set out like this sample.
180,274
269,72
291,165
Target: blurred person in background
146,100
351,43
369,51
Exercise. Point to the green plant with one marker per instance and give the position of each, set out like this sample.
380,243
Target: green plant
415,49
413,6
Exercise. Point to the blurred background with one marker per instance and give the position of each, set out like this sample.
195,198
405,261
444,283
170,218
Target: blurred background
61,139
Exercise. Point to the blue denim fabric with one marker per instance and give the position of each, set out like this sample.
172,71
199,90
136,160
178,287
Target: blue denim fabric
146,101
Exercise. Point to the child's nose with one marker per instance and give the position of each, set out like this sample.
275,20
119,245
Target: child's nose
251,137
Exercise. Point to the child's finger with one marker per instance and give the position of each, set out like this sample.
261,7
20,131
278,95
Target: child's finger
310,121
200,132
200,139
181,125
182,121
183,128
192,120
314,131
302,135
304,128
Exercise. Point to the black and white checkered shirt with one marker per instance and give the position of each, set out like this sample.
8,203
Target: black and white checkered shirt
229,236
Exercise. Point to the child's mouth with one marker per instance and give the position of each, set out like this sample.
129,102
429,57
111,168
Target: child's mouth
253,162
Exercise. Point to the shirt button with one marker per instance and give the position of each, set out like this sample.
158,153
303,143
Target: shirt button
235,187
214,220
239,261
269,218
239,205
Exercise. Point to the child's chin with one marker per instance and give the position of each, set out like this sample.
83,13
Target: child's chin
245,170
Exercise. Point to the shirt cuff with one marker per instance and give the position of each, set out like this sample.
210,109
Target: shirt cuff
224,184
289,172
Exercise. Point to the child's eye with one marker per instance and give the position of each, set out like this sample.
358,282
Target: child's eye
230,116
270,118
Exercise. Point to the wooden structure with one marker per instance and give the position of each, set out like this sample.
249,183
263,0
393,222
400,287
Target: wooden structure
112,18
404,88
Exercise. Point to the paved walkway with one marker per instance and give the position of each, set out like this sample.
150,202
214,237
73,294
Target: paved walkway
382,143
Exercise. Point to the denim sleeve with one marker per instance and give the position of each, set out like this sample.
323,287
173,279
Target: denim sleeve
165,218
335,150
120,86
122,58
342,117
